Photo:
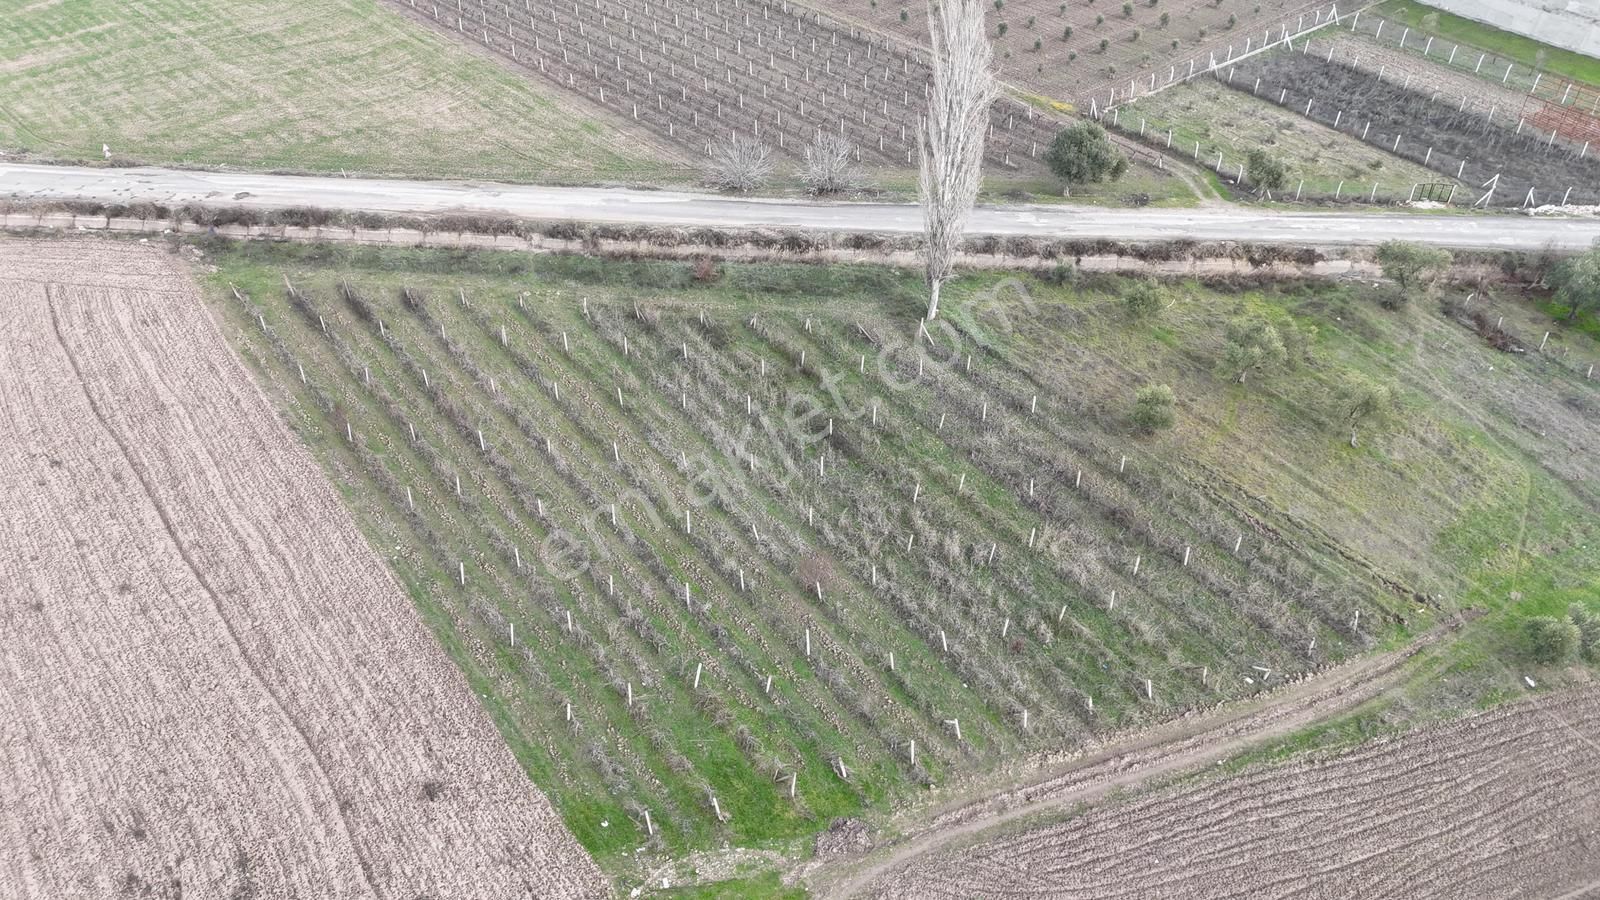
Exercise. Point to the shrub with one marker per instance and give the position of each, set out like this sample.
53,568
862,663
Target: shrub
739,164
1577,282
1036,45
1134,36
1551,640
1104,44
1064,274
1588,624
903,16
1266,173
1066,33
1099,20
1153,407
1127,10
830,168
706,270
1082,154
1251,345
1165,18
1000,30
1143,300
1410,265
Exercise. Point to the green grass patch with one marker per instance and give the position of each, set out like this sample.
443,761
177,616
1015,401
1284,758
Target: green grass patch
1524,50
314,86
767,886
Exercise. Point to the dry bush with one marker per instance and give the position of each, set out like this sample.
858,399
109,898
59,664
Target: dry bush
830,167
739,164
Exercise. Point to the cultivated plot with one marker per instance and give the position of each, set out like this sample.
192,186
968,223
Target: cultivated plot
212,686
738,561
1502,804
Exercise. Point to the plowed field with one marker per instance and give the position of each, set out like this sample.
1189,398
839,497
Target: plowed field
210,686
1499,805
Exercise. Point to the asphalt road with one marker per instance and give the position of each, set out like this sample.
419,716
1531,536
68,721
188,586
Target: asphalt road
173,187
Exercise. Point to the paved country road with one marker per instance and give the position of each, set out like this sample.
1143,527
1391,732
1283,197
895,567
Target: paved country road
645,207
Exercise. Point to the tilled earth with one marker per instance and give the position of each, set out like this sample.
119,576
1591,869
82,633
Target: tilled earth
1498,805
210,686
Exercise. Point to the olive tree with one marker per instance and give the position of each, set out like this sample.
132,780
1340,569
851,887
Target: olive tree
950,141
1358,400
1267,173
1411,265
1552,640
1577,282
1153,407
1082,154
1251,345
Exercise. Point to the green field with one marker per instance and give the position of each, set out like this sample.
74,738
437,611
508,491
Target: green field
778,439
1234,123
316,85
1525,50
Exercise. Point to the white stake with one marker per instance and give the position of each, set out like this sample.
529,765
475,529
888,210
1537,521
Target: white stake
697,667
461,573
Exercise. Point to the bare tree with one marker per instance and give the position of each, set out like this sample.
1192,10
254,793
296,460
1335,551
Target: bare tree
950,140
830,167
738,164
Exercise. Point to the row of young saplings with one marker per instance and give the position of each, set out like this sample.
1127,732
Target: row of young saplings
1112,510
1501,164
784,88
1129,500
991,545
487,566
955,722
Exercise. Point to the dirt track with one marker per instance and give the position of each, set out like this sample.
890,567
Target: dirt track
1128,762
1499,805
210,686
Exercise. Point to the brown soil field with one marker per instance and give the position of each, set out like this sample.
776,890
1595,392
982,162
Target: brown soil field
1072,67
210,685
1501,804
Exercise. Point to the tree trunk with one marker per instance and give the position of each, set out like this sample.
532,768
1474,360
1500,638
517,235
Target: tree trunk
933,298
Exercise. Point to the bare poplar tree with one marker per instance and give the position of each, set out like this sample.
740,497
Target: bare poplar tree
950,140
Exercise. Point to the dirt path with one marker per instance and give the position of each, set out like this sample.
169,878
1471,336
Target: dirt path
1183,745
1500,804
